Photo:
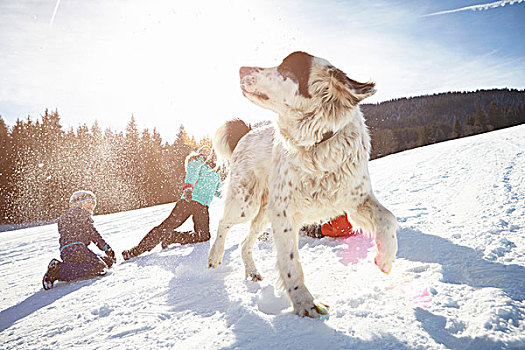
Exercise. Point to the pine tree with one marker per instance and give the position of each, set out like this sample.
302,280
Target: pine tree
426,135
96,132
205,141
6,168
181,136
469,125
496,116
469,120
29,197
383,142
163,172
480,120
130,165
52,137
175,157
457,131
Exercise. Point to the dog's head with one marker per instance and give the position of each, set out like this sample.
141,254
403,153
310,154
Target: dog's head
310,95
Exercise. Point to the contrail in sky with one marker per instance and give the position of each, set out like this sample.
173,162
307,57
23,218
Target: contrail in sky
481,7
54,13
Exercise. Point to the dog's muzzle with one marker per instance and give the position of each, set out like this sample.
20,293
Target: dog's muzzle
255,94
248,81
244,71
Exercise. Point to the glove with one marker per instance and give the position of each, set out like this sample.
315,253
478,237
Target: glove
111,254
187,193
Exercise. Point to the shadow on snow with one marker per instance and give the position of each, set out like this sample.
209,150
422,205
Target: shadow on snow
37,301
460,264
434,325
196,288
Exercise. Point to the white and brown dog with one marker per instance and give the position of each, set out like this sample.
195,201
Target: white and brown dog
312,164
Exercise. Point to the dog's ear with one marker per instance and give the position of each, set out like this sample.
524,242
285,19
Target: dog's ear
349,89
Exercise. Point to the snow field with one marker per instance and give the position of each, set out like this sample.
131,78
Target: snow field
458,281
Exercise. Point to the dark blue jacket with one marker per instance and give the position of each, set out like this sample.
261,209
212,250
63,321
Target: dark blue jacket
76,226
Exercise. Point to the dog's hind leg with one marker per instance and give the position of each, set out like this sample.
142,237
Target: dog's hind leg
237,210
256,226
373,217
217,250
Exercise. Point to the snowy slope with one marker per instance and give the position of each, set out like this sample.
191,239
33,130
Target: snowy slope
458,282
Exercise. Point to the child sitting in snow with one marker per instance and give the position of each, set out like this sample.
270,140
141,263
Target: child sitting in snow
336,227
76,231
201,183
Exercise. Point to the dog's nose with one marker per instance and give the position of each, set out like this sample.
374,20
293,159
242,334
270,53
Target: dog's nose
244,71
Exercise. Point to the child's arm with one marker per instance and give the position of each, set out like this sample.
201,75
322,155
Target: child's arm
218,191
192,173
95,237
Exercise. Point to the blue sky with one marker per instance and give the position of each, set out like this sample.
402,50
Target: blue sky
172,62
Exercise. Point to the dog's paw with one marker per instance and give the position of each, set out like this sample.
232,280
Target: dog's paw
314,310
384,266
254,276
214,263
386,254
215,259
384,262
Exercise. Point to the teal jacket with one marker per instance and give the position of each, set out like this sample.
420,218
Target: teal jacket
205,182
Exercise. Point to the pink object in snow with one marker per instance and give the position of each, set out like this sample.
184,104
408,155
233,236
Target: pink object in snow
356,248
418,295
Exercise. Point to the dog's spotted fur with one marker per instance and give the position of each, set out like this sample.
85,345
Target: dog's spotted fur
290,173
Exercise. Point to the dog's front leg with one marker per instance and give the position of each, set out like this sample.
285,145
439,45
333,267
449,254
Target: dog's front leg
375,218
289,264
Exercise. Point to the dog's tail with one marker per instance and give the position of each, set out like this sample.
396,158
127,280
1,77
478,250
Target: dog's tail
226,139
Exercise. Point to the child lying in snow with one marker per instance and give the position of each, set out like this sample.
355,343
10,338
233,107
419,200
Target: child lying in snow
76,233
201,183
337,227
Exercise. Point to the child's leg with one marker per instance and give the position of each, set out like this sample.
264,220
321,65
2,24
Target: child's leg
52,274
201,225
80,262
178,215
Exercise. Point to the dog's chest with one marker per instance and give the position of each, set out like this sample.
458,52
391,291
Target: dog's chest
317,186
329,188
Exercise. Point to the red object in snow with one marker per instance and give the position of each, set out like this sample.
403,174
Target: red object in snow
338,227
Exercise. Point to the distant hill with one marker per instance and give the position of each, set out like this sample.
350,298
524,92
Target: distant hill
406,123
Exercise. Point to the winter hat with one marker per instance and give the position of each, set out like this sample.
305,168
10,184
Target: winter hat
81,196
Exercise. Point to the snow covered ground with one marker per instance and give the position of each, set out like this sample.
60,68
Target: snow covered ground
458,281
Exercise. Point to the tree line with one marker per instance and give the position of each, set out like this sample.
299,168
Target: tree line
41,165
407,123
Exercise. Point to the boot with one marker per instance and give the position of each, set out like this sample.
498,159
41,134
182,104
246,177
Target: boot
52,274
130,253
311,231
